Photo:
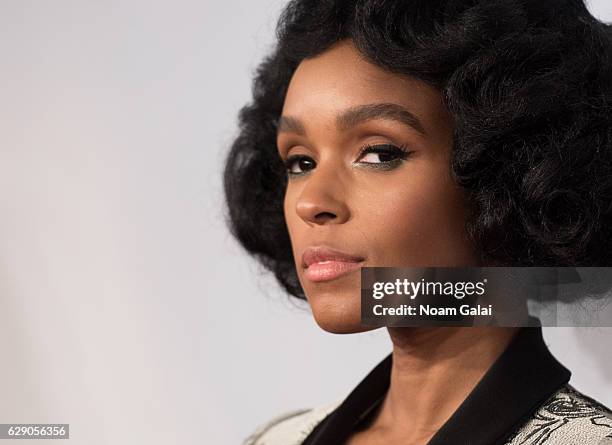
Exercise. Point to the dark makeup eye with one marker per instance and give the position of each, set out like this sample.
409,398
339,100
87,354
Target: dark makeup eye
303,162
389,156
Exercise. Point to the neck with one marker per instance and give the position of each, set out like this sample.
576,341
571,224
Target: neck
433,371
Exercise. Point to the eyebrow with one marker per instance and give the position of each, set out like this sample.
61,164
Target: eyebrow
357,115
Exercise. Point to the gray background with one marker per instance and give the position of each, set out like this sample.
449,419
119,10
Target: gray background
126,308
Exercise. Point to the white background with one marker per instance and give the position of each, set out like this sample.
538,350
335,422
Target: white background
126,309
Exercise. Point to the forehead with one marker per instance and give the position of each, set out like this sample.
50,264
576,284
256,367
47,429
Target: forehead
341,78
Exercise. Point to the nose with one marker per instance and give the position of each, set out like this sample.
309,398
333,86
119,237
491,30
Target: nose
321,200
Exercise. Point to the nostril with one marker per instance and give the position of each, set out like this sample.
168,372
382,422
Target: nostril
325,215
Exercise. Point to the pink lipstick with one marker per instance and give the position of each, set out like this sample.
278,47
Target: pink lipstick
323,263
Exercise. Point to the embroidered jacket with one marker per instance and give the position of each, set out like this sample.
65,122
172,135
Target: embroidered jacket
523,399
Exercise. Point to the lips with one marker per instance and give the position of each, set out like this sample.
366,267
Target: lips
323,263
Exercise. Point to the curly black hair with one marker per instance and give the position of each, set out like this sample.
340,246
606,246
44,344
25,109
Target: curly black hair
528,84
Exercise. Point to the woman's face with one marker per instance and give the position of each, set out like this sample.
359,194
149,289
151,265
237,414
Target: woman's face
394,205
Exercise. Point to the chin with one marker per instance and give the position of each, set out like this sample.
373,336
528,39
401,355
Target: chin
335,327
338,314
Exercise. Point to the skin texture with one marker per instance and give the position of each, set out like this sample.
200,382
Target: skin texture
410,213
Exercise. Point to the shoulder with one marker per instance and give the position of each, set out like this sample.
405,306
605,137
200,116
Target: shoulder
291,427
567,417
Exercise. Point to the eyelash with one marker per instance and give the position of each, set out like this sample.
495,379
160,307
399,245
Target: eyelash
401,151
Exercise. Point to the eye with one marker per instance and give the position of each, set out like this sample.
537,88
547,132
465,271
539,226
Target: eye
302,162
387,154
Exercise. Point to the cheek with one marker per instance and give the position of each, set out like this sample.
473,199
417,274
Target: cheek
289,215
289,208
419,221
295,225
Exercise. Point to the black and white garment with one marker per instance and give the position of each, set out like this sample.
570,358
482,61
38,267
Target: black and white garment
523,399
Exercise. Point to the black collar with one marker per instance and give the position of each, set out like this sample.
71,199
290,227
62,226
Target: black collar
518,382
